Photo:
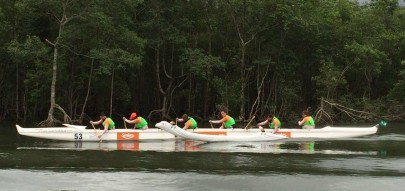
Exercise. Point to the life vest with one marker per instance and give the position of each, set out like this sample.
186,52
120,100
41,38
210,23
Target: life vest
111,123
310,121
193,123
141,124
229,122
271,124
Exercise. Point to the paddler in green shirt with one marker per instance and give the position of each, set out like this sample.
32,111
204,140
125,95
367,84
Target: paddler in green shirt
226,121
307,121
107,123
140,122
274,123
190,123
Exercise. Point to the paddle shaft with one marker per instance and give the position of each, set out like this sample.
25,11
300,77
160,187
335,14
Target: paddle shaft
95,131
249,122
125,123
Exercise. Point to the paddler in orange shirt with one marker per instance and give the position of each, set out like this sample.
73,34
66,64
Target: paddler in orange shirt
140,122
226,121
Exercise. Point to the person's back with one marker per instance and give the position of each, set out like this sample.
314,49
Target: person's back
140,122
307,121
192,124
228,122
109,122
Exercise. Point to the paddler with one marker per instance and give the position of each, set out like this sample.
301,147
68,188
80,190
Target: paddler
190,123
226,121
272,121
140,122
307,121
107,123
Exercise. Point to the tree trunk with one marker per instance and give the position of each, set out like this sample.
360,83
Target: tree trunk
242,82
240,29
112,91
163,109
17,100
51,121
189,93
206,97
87,93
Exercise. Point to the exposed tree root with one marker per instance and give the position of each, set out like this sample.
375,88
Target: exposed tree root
51,120
328,112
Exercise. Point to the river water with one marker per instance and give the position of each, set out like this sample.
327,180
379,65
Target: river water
375,162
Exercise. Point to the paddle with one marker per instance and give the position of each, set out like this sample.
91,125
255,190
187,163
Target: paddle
125,123
249,122
95,131
211,125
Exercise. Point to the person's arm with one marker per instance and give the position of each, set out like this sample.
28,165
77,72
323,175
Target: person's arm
179,120
187,125
137,120
275,123
215,121
303,121
106,124
219,121
128,121
263,123
96,122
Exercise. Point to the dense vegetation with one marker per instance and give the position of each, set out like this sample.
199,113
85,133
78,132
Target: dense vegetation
68,60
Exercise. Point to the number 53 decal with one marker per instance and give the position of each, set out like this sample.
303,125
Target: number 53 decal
78,136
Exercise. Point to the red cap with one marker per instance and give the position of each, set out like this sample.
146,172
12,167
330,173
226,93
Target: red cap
133,115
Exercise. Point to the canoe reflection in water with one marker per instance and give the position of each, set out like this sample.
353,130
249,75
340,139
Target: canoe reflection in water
278,148
159,146
196,146
308,147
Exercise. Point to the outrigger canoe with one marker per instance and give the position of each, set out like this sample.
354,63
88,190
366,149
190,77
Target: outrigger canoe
80,133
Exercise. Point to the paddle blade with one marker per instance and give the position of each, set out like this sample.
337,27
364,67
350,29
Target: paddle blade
382,123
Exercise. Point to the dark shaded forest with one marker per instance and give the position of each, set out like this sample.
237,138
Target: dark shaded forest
65,61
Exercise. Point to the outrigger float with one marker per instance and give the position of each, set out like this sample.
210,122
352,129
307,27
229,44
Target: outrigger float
80,133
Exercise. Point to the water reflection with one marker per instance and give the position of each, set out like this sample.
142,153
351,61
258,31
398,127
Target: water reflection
161,146
196,146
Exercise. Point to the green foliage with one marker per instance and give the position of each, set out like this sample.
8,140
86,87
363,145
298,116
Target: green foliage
397,93
112,59
328,79
34,59
200,65
29,51
338,49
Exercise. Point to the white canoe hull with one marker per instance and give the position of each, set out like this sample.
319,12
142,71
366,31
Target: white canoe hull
80,133
252,137
329,132
76,133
